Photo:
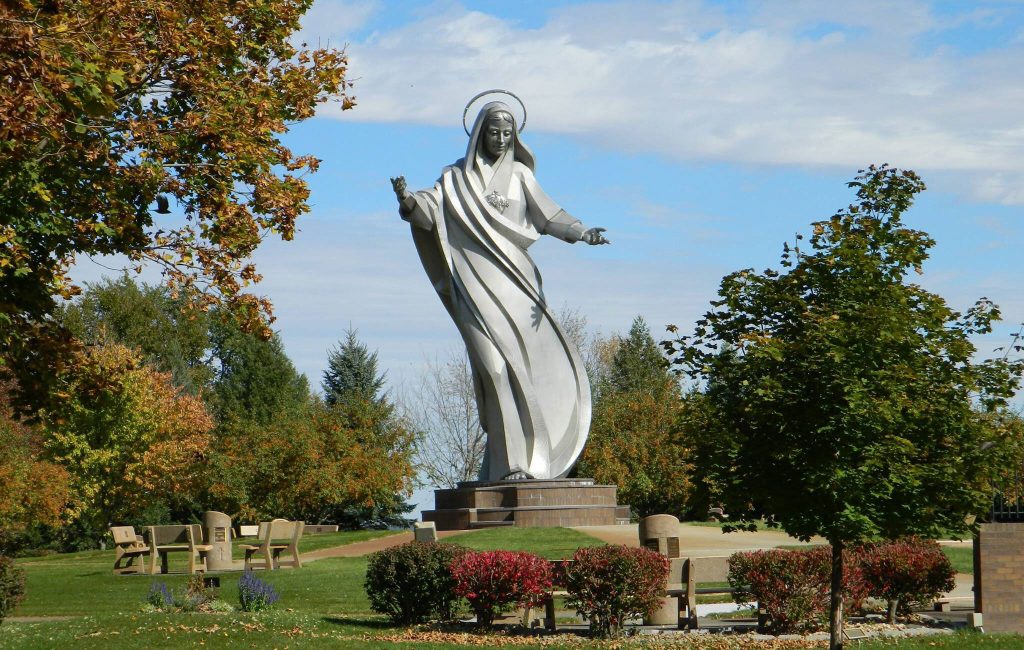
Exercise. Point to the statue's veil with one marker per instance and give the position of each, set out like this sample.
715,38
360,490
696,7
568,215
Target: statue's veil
518,151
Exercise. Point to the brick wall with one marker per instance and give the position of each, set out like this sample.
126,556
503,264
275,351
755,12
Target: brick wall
999,577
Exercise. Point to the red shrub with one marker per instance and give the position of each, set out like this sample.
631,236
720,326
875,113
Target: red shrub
609,584
907,571
493,580
793,586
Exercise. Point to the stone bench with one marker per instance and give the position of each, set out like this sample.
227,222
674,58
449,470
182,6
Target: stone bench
274,538
177,538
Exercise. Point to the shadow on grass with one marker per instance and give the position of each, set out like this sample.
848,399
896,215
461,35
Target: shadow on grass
365,623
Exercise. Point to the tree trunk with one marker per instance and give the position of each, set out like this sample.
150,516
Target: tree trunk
891,614
835,641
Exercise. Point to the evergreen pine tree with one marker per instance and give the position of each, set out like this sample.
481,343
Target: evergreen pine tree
638,364
354,391
352,372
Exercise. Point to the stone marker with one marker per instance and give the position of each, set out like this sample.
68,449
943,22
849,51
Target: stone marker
217,531
424,531
661,533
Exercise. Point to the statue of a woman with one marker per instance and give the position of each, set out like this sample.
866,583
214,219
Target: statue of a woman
472,231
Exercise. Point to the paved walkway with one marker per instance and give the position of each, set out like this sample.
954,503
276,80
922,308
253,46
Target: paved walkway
701,540
357,549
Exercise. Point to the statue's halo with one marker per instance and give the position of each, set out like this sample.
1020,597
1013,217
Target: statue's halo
522,123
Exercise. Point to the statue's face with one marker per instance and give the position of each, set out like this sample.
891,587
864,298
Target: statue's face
498,134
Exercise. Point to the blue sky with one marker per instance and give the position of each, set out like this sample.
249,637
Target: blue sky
701,134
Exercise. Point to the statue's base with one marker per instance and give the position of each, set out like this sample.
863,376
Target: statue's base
528,503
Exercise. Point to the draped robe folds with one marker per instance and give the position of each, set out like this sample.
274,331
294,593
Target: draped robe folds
532,391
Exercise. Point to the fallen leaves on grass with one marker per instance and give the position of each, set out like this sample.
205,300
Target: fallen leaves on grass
659,642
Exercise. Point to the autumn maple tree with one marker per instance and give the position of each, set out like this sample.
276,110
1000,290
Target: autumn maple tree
638,438
33,491
126,436
106,105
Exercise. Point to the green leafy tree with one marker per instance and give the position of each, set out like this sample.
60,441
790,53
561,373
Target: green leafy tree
256,381
842,395
171,336
106,105
637,437
341,465
352,372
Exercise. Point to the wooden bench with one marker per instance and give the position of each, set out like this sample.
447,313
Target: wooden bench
274,538
174,538
128,545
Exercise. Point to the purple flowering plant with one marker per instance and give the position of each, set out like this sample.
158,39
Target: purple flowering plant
160,596
254,594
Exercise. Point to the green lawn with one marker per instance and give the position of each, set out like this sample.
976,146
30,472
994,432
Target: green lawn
961,557
550,543
322,605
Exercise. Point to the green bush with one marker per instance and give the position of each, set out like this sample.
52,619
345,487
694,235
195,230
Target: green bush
413,583
12,586
609,584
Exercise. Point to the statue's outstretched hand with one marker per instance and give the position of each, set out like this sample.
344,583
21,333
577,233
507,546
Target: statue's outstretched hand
594,236
398,184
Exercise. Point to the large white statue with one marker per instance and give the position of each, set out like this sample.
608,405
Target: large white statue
472,230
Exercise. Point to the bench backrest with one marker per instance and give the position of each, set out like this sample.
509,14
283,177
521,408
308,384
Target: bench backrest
123,535
704,569
248,530
282,529
176,534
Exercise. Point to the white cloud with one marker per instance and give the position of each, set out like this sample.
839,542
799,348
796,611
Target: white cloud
787,83
329,24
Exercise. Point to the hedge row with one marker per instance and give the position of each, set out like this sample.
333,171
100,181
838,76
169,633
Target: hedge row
792,587
419,582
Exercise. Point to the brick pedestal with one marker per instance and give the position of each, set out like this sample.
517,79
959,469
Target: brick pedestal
530,503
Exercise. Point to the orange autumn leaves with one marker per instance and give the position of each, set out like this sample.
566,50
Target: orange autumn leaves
106,104
126,435
120,435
